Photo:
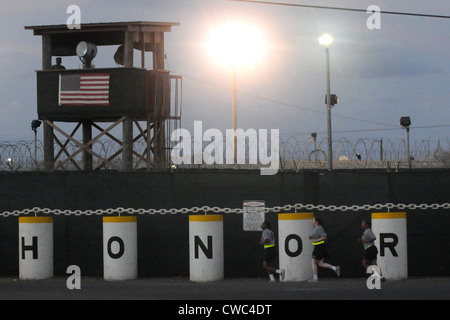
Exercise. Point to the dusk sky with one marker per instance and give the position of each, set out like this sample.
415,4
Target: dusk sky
402,69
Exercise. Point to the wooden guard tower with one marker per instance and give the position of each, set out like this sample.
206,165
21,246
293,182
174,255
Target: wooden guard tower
125,94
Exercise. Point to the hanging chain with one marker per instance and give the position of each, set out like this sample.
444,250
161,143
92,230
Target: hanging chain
206,209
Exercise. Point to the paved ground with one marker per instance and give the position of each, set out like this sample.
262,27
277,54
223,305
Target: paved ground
229,289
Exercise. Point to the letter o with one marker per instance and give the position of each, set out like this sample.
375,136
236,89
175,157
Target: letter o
121,247
299,250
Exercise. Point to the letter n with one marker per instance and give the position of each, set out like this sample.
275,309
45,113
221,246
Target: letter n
208,251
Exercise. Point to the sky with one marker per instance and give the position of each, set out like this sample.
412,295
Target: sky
401,69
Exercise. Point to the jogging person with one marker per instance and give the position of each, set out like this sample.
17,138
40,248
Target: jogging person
320,250
370,250
268,241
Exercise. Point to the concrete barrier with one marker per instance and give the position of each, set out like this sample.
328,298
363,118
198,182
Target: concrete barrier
35,248
206,262
295,248
391,232
119,248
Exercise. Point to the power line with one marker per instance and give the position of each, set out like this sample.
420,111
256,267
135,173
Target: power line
390,126
423,15
288,104
370,130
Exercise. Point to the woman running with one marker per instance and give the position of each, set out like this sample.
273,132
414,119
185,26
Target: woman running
320,250
370,250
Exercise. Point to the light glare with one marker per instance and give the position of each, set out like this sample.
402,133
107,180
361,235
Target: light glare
326,40
238,44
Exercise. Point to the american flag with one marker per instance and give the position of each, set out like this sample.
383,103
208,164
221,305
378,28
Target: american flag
84,89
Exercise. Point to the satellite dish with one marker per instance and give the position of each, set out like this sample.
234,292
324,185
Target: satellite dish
87,52
119,56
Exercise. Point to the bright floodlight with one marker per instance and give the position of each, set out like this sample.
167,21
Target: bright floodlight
326,40
239,44
86,50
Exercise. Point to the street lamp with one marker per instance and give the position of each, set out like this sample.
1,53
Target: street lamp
34,125
326,40
405,122
236,45
10,163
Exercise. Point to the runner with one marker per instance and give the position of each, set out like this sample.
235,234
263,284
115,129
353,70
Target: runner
268,241
320,250
370,250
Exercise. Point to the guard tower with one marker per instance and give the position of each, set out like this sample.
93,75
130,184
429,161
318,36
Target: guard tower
123,95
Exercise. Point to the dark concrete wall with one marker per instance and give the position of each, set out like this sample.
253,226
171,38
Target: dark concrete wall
163,248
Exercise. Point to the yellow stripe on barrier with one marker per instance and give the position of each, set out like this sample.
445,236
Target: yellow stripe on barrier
118,219
206,218
295,216
388,215
35,220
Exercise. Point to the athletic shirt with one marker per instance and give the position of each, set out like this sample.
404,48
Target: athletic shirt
268,234
318,232
367,235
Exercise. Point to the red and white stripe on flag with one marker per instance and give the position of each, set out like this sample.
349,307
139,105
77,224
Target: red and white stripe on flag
84,89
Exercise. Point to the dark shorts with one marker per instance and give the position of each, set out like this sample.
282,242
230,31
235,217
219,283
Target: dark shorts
371,253
269,254
320,252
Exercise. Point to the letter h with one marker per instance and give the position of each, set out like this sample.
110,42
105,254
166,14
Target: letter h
33,247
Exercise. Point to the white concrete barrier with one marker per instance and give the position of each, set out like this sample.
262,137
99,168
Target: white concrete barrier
35,248
295,249
206,261
120,248
391,232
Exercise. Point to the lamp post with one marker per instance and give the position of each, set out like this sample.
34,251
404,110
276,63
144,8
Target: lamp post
34,125
326,40
10,163
233,67
405,122
237,45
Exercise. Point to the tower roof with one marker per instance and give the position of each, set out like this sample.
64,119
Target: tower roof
101,34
